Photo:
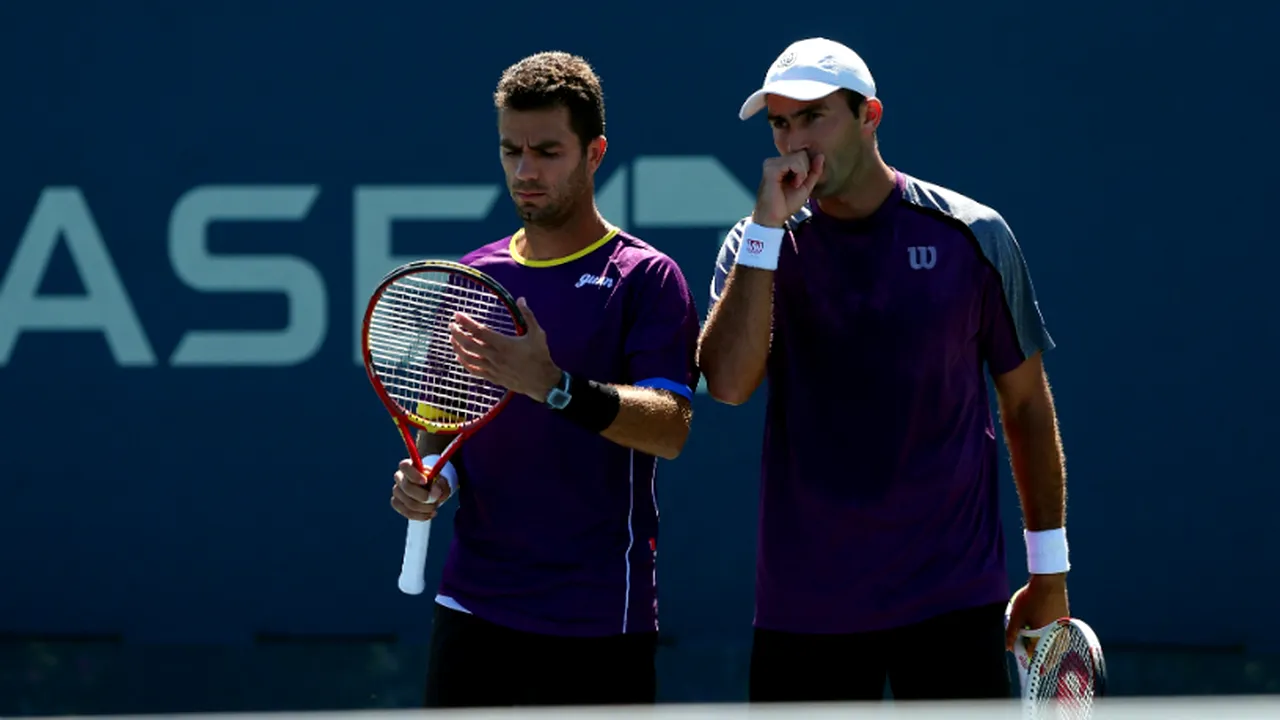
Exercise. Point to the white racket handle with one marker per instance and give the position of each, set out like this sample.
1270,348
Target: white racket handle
413,570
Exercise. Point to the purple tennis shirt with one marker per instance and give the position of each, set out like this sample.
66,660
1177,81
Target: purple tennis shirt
879,493
556,528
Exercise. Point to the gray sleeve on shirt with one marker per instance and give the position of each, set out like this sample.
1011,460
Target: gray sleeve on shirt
725,259
1001,249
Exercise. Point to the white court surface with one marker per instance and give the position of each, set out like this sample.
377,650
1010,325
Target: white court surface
1212,708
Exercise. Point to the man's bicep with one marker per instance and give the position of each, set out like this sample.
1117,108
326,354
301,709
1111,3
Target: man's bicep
666,395
1023,383
665,384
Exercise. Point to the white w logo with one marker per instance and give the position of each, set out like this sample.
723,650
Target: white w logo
923,257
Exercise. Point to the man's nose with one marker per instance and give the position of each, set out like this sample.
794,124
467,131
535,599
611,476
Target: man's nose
796,141
527,167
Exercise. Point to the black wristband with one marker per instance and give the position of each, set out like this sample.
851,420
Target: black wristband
593,405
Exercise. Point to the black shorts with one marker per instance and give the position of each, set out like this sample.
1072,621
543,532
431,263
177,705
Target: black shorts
475,663
960,655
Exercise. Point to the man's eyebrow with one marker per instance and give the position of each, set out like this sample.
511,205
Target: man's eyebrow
802,111
544,145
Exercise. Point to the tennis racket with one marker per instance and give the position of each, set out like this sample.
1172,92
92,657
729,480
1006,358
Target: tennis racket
1061,669
415,371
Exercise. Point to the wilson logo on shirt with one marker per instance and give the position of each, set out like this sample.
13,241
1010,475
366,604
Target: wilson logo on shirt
594,281
923,258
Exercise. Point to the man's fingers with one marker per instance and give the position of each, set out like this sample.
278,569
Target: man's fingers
1010,636
1011,633
463,338
426,513
440,491
483,373
412,497
798,161
480,368
467,322
815,173
1017,623
529,318
477,357
411,491
794,165
472,357
468,326
410,473
479,364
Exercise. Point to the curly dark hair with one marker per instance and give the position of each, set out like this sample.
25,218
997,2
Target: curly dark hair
555,78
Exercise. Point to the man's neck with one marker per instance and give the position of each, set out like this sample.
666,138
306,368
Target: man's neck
864,195
583,229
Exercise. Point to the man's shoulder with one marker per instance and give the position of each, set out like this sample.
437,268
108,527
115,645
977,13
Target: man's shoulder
961,211
634,255
489,253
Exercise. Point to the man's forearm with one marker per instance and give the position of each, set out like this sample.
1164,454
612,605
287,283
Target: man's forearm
1035,452
651,421
734,347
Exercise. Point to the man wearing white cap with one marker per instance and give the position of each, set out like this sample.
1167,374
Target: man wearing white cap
874,302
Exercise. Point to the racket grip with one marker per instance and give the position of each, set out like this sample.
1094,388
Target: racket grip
414,567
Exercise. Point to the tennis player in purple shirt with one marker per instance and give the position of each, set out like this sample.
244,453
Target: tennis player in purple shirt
549,593
875,303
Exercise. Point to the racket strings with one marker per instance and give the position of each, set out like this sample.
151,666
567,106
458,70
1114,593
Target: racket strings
1067,676
411,350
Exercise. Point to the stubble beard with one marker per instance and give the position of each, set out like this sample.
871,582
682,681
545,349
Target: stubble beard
561,207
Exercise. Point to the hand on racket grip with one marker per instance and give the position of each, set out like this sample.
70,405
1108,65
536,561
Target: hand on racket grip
785,184
1038,603
411,497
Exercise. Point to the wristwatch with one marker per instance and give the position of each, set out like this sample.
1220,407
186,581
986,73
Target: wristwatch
559,396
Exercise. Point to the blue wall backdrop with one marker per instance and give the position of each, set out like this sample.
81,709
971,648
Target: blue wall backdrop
196,197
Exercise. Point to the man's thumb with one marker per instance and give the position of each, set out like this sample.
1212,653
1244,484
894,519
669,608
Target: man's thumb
1010,636
1017,622
529,318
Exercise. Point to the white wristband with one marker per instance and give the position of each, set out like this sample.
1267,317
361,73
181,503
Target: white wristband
448,472
760,246
1047,551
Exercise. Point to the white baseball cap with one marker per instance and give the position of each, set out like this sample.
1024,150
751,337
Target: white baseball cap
810,69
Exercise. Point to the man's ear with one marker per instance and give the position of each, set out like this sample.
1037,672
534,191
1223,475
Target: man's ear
595,152
872,114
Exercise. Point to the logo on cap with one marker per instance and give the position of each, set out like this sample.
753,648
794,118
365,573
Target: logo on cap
786,60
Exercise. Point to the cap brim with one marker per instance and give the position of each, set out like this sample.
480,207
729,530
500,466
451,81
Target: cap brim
803,90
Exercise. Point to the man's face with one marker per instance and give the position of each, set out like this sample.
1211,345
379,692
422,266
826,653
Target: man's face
548,174
827,126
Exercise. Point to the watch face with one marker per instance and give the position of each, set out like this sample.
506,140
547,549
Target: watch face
557,398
